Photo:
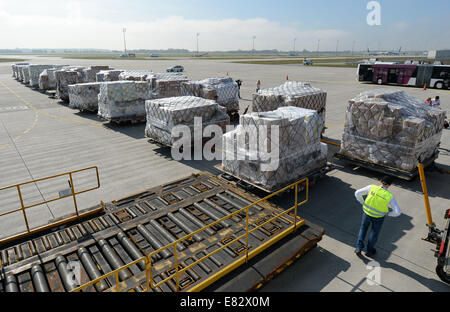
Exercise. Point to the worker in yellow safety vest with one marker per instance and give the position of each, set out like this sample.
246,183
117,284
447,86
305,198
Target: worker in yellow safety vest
375,208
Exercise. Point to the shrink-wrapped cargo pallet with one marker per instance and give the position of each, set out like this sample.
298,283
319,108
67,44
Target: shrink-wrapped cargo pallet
15,69
166,85
26,74
84,96
47,79
90,74
67,76
391,128
123,100
35,71
108,75
224,90
250,151
291,93
165,114
135,75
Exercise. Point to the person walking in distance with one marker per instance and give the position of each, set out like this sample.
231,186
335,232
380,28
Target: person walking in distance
239,83
258,86
375,209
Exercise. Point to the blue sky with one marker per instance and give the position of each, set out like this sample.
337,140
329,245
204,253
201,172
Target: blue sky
412,24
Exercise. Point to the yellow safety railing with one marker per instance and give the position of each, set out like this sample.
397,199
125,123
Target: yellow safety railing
72,194
149,280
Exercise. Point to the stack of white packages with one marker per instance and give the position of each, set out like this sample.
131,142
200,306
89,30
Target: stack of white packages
15,69
291,93
84,96
224,90
123,99
135,75
108,75
47,80
35,71
90,74
247,150
65,77
165,114
391,128
20,72
166,85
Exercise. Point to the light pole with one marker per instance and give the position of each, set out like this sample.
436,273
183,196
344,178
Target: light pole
253,50
198,34
124,40
337,47
353,47
295,39
318,46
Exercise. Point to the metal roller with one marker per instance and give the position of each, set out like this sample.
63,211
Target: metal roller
234,203
91,269
11,284
221,210
166,234
39,280
197,222
212,215
65,274
153,241
131,248
246,201
184,227
113,259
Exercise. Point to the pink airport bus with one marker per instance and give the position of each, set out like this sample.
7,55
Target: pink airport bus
434,76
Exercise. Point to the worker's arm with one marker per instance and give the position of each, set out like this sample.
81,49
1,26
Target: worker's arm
395,208
362,192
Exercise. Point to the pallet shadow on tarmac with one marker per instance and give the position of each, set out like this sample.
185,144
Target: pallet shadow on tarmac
135,131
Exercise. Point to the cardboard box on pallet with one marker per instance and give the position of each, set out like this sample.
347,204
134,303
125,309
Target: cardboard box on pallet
35,71
84,96
250,151
166,85
291,93
90,74
224,90
165,114
135,75
67,76
391,128
123,99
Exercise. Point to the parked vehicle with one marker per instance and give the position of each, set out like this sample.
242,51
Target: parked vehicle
177,68
307,62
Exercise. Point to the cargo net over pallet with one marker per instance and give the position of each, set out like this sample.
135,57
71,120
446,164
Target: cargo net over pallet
67,76
249,151
84,96
165,114
123,100
291,93
165,85
223,90
47,79
108,75
140,225
391,128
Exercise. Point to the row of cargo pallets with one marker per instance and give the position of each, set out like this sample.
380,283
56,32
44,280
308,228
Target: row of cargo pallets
135,226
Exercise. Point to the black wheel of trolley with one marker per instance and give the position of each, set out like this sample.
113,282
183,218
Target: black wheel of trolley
442,274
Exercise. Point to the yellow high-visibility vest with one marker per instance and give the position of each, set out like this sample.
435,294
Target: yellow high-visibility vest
377,201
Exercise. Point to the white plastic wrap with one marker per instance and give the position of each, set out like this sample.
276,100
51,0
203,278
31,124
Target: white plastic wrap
35,71
26,74
108,75
300,151
67,76
47,79
135,75
391,128
123,99
224,90
291,93
84,96
15,69
90,74
164,114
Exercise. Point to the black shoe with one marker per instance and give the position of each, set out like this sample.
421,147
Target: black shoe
371,253
358,252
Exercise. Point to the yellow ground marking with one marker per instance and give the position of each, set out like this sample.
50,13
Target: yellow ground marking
36,116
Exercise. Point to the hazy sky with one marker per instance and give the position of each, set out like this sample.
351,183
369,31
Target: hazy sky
224,25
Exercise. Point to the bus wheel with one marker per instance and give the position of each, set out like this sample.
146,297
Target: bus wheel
380,81
439,85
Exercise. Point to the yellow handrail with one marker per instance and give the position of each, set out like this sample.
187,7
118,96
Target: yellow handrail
148,259
23,208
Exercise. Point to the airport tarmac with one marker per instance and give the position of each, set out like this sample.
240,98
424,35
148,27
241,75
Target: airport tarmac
39,137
